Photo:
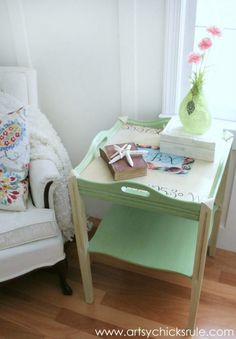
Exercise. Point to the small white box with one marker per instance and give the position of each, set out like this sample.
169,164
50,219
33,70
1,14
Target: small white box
174,139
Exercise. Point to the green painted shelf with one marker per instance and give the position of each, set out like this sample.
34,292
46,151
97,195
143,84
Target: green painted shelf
148,239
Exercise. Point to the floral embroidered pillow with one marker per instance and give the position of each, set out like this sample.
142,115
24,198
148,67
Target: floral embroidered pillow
13,192
14,153
14,140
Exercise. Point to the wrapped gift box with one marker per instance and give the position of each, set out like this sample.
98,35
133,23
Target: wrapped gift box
175,140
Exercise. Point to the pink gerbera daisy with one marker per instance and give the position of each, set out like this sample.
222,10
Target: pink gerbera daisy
194,58
205,43
214,30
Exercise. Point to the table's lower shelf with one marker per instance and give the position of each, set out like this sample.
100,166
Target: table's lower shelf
149,239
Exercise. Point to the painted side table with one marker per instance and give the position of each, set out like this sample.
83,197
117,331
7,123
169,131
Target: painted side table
164,221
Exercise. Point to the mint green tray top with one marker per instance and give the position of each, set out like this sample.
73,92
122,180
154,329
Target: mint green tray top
144,226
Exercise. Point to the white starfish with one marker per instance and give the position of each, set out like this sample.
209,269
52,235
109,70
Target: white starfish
124,151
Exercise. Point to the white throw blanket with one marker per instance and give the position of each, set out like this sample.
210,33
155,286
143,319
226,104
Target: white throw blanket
46,144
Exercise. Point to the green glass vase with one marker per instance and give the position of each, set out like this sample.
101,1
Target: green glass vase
194,113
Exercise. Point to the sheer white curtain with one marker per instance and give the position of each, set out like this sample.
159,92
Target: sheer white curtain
179,40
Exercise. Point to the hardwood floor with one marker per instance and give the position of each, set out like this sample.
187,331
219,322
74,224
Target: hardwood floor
33,306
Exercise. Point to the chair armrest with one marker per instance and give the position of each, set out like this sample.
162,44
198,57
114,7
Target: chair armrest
43,177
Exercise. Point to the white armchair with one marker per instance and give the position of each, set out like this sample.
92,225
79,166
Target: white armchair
31,239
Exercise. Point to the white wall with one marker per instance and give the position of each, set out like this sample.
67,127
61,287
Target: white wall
7,50
75,47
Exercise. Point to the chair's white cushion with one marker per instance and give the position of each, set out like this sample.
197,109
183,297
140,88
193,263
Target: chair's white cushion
19,260
17,228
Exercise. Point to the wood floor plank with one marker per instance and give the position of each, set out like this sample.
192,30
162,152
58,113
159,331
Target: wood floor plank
228,278
19,299
147,298
11,330
118,280
218,289
81,322
34,322
213,315
76,303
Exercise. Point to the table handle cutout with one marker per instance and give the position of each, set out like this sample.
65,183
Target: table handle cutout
135,191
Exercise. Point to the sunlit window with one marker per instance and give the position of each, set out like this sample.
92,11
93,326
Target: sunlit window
220,84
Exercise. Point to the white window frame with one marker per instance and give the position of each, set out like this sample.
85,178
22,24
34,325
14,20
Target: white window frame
179,40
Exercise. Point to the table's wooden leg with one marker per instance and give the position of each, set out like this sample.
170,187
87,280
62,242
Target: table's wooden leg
199,263
214,233
217,219
80,223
